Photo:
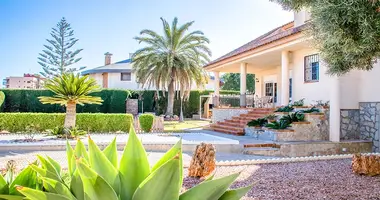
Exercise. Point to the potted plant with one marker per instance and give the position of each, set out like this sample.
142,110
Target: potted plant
322,104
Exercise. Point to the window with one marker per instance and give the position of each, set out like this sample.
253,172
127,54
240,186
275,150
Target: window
269,90
28,81
126,76
311,68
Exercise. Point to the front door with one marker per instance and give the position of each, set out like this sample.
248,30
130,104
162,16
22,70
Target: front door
270,88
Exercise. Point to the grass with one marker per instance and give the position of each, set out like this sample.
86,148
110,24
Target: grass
183,127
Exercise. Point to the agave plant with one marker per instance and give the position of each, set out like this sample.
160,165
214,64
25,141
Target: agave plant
278,125
288,108
97,175
260,122
311,110
11,180
300,102
294,117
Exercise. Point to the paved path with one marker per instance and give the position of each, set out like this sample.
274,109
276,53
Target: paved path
23,158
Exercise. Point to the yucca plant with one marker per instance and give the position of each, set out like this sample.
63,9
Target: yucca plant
70,90
97,175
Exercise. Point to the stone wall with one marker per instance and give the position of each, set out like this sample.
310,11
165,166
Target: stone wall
221,114
369,123
349,124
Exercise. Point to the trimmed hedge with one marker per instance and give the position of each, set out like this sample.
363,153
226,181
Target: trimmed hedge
93,122
2,99
20,100
190,107
146,122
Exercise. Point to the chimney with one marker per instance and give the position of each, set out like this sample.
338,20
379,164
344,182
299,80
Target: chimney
107,59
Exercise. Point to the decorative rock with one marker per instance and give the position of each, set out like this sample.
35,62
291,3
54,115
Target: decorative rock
203,161
366,164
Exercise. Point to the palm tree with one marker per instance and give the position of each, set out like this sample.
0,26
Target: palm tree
172,61
70,90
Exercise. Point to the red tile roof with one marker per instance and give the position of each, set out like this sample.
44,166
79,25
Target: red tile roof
273,35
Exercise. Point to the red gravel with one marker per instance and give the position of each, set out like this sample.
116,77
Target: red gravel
331,179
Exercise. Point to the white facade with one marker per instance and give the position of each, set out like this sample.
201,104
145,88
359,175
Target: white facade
110,76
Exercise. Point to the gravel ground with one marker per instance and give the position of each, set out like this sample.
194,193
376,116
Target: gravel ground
331,179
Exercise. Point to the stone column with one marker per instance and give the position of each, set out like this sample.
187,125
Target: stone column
243,84
284,78
334,109
217,89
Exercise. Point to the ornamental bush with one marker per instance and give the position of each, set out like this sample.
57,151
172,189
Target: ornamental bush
2,99
146,122
93,122
20,100
23,100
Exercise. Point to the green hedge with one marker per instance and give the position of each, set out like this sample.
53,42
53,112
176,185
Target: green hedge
93,122
190,107
146,122
2,99
19,100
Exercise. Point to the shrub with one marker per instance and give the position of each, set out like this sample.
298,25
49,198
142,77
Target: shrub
285,109
278,125
146,122
300,102
271,117
260,122
2,99
19,100
97,174
311,110
294,117
94,122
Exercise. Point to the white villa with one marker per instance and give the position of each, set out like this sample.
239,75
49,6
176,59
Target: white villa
286,64
119,75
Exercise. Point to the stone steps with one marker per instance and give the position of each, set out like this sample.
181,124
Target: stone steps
236,124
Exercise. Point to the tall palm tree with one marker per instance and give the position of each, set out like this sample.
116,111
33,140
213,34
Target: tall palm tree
172,61
70,90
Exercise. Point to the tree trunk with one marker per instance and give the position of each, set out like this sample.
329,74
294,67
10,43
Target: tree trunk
181,113
169,109
71,111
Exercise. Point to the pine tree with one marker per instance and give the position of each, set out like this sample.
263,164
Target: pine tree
58,55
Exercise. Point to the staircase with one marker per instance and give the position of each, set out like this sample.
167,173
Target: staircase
236,125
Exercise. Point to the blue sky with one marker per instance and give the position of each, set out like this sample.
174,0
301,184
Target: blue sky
103,26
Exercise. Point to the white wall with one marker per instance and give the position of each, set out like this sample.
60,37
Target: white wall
114,81
370,85
310,91
98,77
350,87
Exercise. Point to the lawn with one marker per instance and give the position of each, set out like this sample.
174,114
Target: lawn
175,126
